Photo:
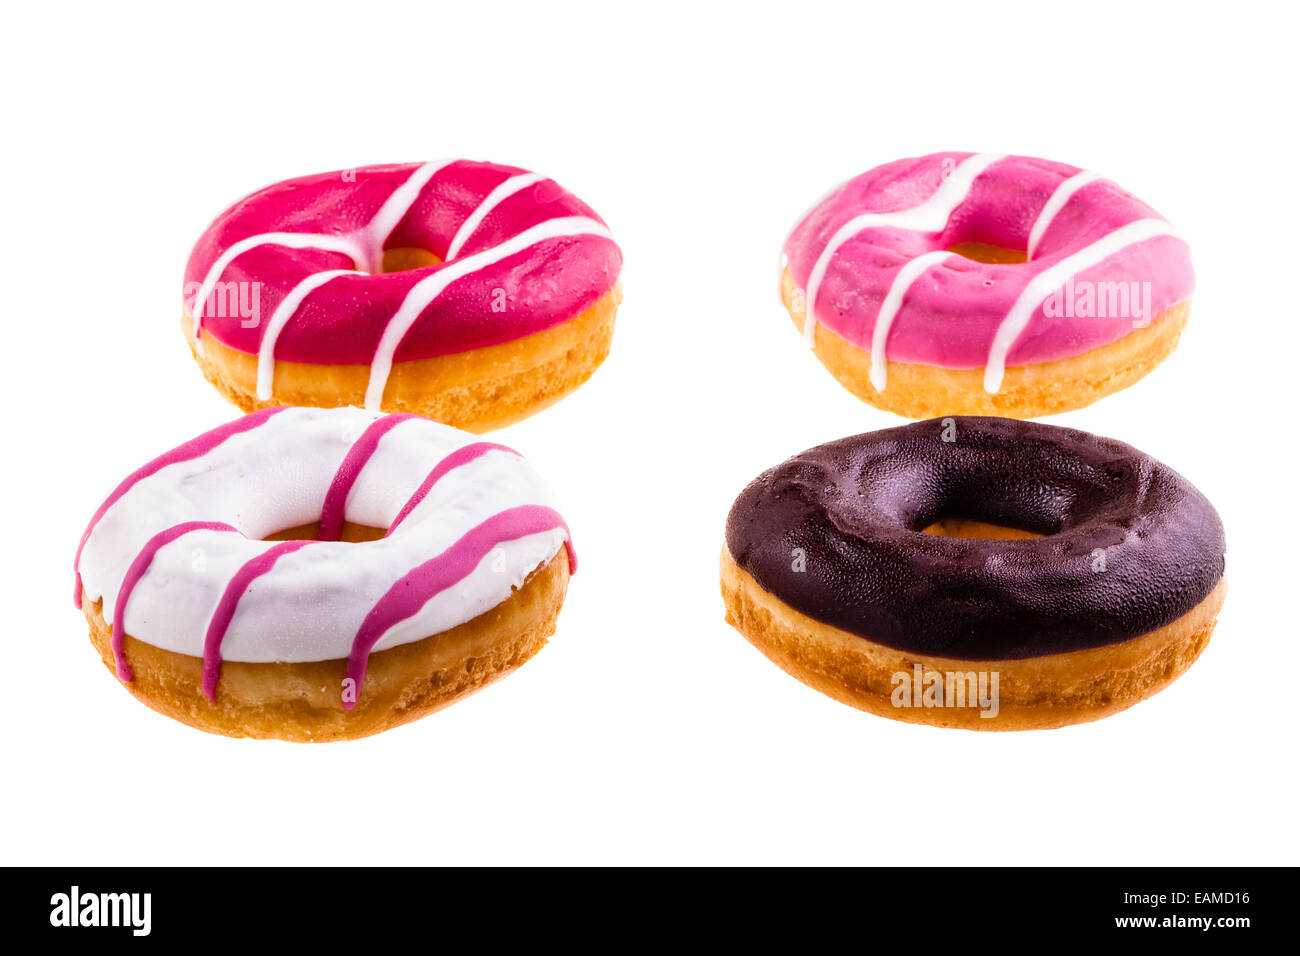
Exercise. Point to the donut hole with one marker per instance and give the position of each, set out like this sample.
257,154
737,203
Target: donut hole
352,533
983,252
973,528
406,259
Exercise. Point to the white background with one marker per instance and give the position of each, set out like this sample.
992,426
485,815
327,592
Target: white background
648,731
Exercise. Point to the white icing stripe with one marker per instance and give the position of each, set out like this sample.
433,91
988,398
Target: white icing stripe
348,245
930,216
1051,279
489,202
420,295
286,310
394,209
365,246
1055,203
909,273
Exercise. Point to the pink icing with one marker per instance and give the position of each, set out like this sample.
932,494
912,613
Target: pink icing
437,574
457,458
194,448
341,321
336,499
221,617
950,314
136,571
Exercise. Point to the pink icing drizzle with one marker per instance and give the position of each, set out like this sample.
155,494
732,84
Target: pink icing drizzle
194,448
225,612
405,598
457,458
336,499
136,571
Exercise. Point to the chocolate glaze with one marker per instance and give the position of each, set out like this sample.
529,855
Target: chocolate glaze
856,508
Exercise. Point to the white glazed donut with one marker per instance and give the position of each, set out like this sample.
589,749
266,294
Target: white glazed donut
178,561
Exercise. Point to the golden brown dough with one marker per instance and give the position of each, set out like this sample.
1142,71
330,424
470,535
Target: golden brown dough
1033,693
302,701
478,391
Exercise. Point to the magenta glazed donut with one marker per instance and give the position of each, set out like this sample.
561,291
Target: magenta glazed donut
986,284
469,292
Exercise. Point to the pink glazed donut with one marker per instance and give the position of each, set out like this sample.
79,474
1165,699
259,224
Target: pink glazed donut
472,293
962,283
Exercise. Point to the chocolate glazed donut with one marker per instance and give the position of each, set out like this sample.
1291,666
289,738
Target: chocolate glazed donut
1052,575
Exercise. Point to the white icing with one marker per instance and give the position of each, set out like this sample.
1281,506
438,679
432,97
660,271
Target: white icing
310,605
365,246
420,295
909,273
1051,279
490,202
395,207
348,245
286,310
930,216
1055,203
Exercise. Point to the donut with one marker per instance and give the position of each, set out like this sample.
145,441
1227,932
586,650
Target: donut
321,574
982,573
983,284
473,293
